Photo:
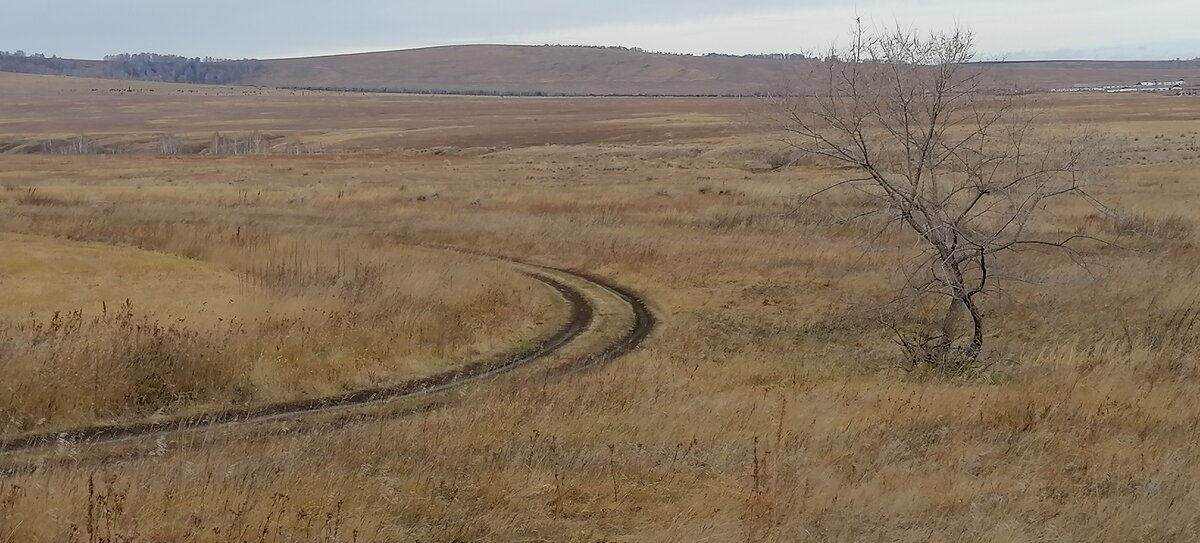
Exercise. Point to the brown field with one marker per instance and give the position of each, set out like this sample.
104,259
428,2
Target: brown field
135,115
767,407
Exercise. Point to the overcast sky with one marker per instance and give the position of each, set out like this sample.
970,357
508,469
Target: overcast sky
1012,29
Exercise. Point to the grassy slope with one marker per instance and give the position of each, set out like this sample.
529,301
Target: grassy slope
581,70
605,71
39,275
244,295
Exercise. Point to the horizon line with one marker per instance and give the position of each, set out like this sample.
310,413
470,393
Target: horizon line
627,48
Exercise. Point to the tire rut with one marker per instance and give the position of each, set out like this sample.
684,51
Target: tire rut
581,316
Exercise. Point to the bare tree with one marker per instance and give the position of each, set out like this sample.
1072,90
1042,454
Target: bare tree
966,171
169,145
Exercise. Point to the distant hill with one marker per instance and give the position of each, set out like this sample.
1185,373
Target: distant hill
567,70
597,70
531,69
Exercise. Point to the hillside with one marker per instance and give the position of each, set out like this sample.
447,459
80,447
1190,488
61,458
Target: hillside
555,70
516,69
593,70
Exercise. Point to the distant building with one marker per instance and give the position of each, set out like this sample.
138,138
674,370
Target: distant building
1141,86
1163,84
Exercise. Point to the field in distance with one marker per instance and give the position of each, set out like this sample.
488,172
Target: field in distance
768,405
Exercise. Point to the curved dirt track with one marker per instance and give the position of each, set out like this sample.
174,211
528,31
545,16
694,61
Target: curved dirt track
581,316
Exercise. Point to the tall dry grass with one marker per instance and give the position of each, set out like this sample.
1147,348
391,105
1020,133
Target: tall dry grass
767,408
319,311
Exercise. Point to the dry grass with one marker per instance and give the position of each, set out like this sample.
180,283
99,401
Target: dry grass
175,301
39,275
43,112
766,409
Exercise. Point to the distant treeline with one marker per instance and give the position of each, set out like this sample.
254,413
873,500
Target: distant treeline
759,56
518,93
766,56
140,66
254,143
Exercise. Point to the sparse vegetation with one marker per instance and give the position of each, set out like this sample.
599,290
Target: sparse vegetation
299,315
933,153
766,408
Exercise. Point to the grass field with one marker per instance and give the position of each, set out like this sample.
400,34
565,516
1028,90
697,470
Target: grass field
41,275
160,297
767,407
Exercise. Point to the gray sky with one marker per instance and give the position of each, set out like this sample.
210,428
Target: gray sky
1012,29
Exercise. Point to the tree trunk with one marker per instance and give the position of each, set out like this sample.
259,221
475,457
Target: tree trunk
950,320
941,351
949,332
976,345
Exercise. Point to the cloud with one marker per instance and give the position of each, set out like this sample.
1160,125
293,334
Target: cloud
1097,29
236,28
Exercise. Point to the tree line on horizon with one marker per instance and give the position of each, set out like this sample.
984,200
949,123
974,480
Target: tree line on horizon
133,66
757,56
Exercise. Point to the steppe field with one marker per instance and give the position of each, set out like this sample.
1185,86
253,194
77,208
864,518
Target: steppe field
168,252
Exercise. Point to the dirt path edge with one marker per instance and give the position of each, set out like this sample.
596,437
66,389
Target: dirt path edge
581,316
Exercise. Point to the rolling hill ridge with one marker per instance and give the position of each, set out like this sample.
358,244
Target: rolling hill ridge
571,70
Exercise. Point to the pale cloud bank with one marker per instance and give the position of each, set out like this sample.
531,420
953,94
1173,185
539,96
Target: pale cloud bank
1014,29
1018,29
